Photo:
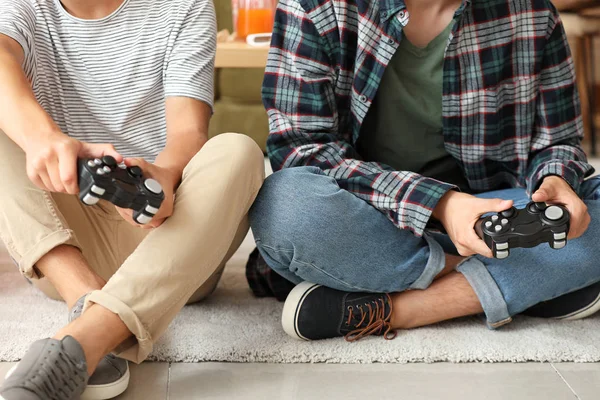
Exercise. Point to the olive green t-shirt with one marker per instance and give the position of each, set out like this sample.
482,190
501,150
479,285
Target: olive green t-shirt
403,127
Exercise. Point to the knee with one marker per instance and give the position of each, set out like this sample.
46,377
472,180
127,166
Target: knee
291,200
239,154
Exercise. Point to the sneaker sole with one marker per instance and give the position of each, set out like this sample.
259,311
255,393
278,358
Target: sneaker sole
292,306
96,392
590,310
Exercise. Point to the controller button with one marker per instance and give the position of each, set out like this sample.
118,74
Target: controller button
107,169
100,171
153,186
91,163
98,190
110,161
508,213
98,161
151,210
532,208
541,205
488,224
502,246
495,218
504,221
136,171
498,228
143,219
559,244
90,200
554,213
501,254
560,236
122,166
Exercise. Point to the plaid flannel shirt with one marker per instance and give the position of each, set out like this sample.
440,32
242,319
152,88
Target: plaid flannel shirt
511,113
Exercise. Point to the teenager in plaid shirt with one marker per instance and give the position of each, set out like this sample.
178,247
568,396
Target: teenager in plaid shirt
388,117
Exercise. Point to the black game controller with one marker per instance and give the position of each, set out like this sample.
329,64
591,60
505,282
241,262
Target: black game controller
527,227
124,187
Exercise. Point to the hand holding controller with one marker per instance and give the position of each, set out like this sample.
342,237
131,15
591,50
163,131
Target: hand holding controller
122,186
528,227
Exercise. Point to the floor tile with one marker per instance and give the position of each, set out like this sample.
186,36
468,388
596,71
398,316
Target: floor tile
414,381
148,382
584,379
4,367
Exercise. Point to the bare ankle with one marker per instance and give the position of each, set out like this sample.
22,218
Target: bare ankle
98,331
68,271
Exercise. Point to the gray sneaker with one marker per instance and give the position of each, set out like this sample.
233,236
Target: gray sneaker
50,370
111,376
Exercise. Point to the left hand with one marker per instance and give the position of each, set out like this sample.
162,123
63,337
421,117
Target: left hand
167,180
555,190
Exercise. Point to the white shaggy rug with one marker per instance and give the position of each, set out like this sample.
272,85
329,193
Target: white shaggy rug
234,326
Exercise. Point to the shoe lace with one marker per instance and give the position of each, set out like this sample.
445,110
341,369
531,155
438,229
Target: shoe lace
378,322
59,381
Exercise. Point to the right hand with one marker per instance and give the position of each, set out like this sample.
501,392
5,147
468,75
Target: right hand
459,212
52,160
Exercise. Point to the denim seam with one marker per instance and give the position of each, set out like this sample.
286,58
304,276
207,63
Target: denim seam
273,248
307,264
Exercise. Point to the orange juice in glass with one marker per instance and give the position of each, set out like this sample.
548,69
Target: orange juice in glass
254,16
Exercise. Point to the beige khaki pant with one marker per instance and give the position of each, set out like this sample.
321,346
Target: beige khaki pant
151,274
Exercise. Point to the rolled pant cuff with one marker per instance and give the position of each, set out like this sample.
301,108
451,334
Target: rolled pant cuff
44,246
488,292
435,264
135,352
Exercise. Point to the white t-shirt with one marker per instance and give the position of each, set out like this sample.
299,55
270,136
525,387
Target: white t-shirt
105,81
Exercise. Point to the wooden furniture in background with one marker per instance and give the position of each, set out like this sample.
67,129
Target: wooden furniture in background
582,28
233,53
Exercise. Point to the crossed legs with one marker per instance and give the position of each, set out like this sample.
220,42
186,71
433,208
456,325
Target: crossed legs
309,229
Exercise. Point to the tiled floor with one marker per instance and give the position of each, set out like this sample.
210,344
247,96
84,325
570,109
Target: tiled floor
160,381
531,381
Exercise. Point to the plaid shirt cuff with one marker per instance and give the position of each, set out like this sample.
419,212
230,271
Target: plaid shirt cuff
554,168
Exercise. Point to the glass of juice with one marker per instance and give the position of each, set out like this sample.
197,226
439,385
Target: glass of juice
254,16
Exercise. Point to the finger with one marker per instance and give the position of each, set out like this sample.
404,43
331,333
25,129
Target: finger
99,151
579,222
46,182
139,162
493,205
67,166
478,246
54,175
546,192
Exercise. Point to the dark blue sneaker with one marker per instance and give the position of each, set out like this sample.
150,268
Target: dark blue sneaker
313,312
579,304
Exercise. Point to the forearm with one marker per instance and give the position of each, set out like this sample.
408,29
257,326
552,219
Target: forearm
573,5
178,152
21,117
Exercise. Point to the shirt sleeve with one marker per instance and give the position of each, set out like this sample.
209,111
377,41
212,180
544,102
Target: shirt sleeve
17,21
556,143
190,63
306,128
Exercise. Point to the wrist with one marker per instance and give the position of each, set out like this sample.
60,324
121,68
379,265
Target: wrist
443,204
172,174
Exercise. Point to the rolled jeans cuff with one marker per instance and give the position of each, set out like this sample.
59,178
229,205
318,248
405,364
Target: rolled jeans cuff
435,264
135,352
487,290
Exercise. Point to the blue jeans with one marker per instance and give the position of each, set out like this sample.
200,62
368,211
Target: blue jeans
309,229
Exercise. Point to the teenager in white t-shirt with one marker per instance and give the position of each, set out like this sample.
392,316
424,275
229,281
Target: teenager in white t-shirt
132,79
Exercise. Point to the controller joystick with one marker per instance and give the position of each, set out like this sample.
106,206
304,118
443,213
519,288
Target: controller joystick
124,187
528,227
